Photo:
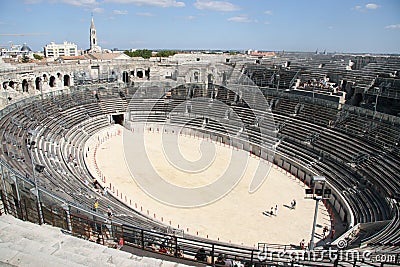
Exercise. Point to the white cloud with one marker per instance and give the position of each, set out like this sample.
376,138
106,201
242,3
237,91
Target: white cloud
145,14
156,3
268,12
120,12
215,5
80,2
371,6
393,27
241,19
190,17
98,10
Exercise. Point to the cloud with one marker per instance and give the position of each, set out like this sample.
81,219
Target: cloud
370,6
156,3
268,12
120,12
393,27
98,10
145,14
215,5
190,17
241,19
80,2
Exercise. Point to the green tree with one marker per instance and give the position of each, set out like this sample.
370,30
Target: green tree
25,59
38,57
166,53
144,53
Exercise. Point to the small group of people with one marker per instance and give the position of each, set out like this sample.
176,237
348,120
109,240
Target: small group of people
222,259
109,209
166,248
274,211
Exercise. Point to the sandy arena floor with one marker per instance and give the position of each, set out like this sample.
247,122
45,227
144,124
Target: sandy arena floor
237,217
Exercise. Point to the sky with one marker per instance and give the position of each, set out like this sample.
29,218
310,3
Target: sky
346,26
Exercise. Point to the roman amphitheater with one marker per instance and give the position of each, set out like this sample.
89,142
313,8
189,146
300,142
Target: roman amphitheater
240,156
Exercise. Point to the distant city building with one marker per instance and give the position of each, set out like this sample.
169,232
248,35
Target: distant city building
94,48
16,52
59,50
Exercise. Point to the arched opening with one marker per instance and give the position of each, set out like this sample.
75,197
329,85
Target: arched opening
37,83
5,85
139,74
210,78
24,85
52,82
125,77
357,99
67,81
11,84
196,76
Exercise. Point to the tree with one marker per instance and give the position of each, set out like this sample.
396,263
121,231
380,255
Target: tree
144,53
25,59
166,53
38,57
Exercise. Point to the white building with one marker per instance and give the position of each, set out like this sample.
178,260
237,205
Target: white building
59,50
16,52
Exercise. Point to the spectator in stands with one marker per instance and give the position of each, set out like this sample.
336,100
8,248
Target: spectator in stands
96,205
333,231
272,210
109,212
179,252
220,260
120,243
237,263
228,262
151,246
302,243
96,184
325,231
276,210
163,249
201,255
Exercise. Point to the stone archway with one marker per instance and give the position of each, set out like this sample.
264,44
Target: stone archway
25,85
11,84
139,74
52,81
67,80
125,77
38,82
